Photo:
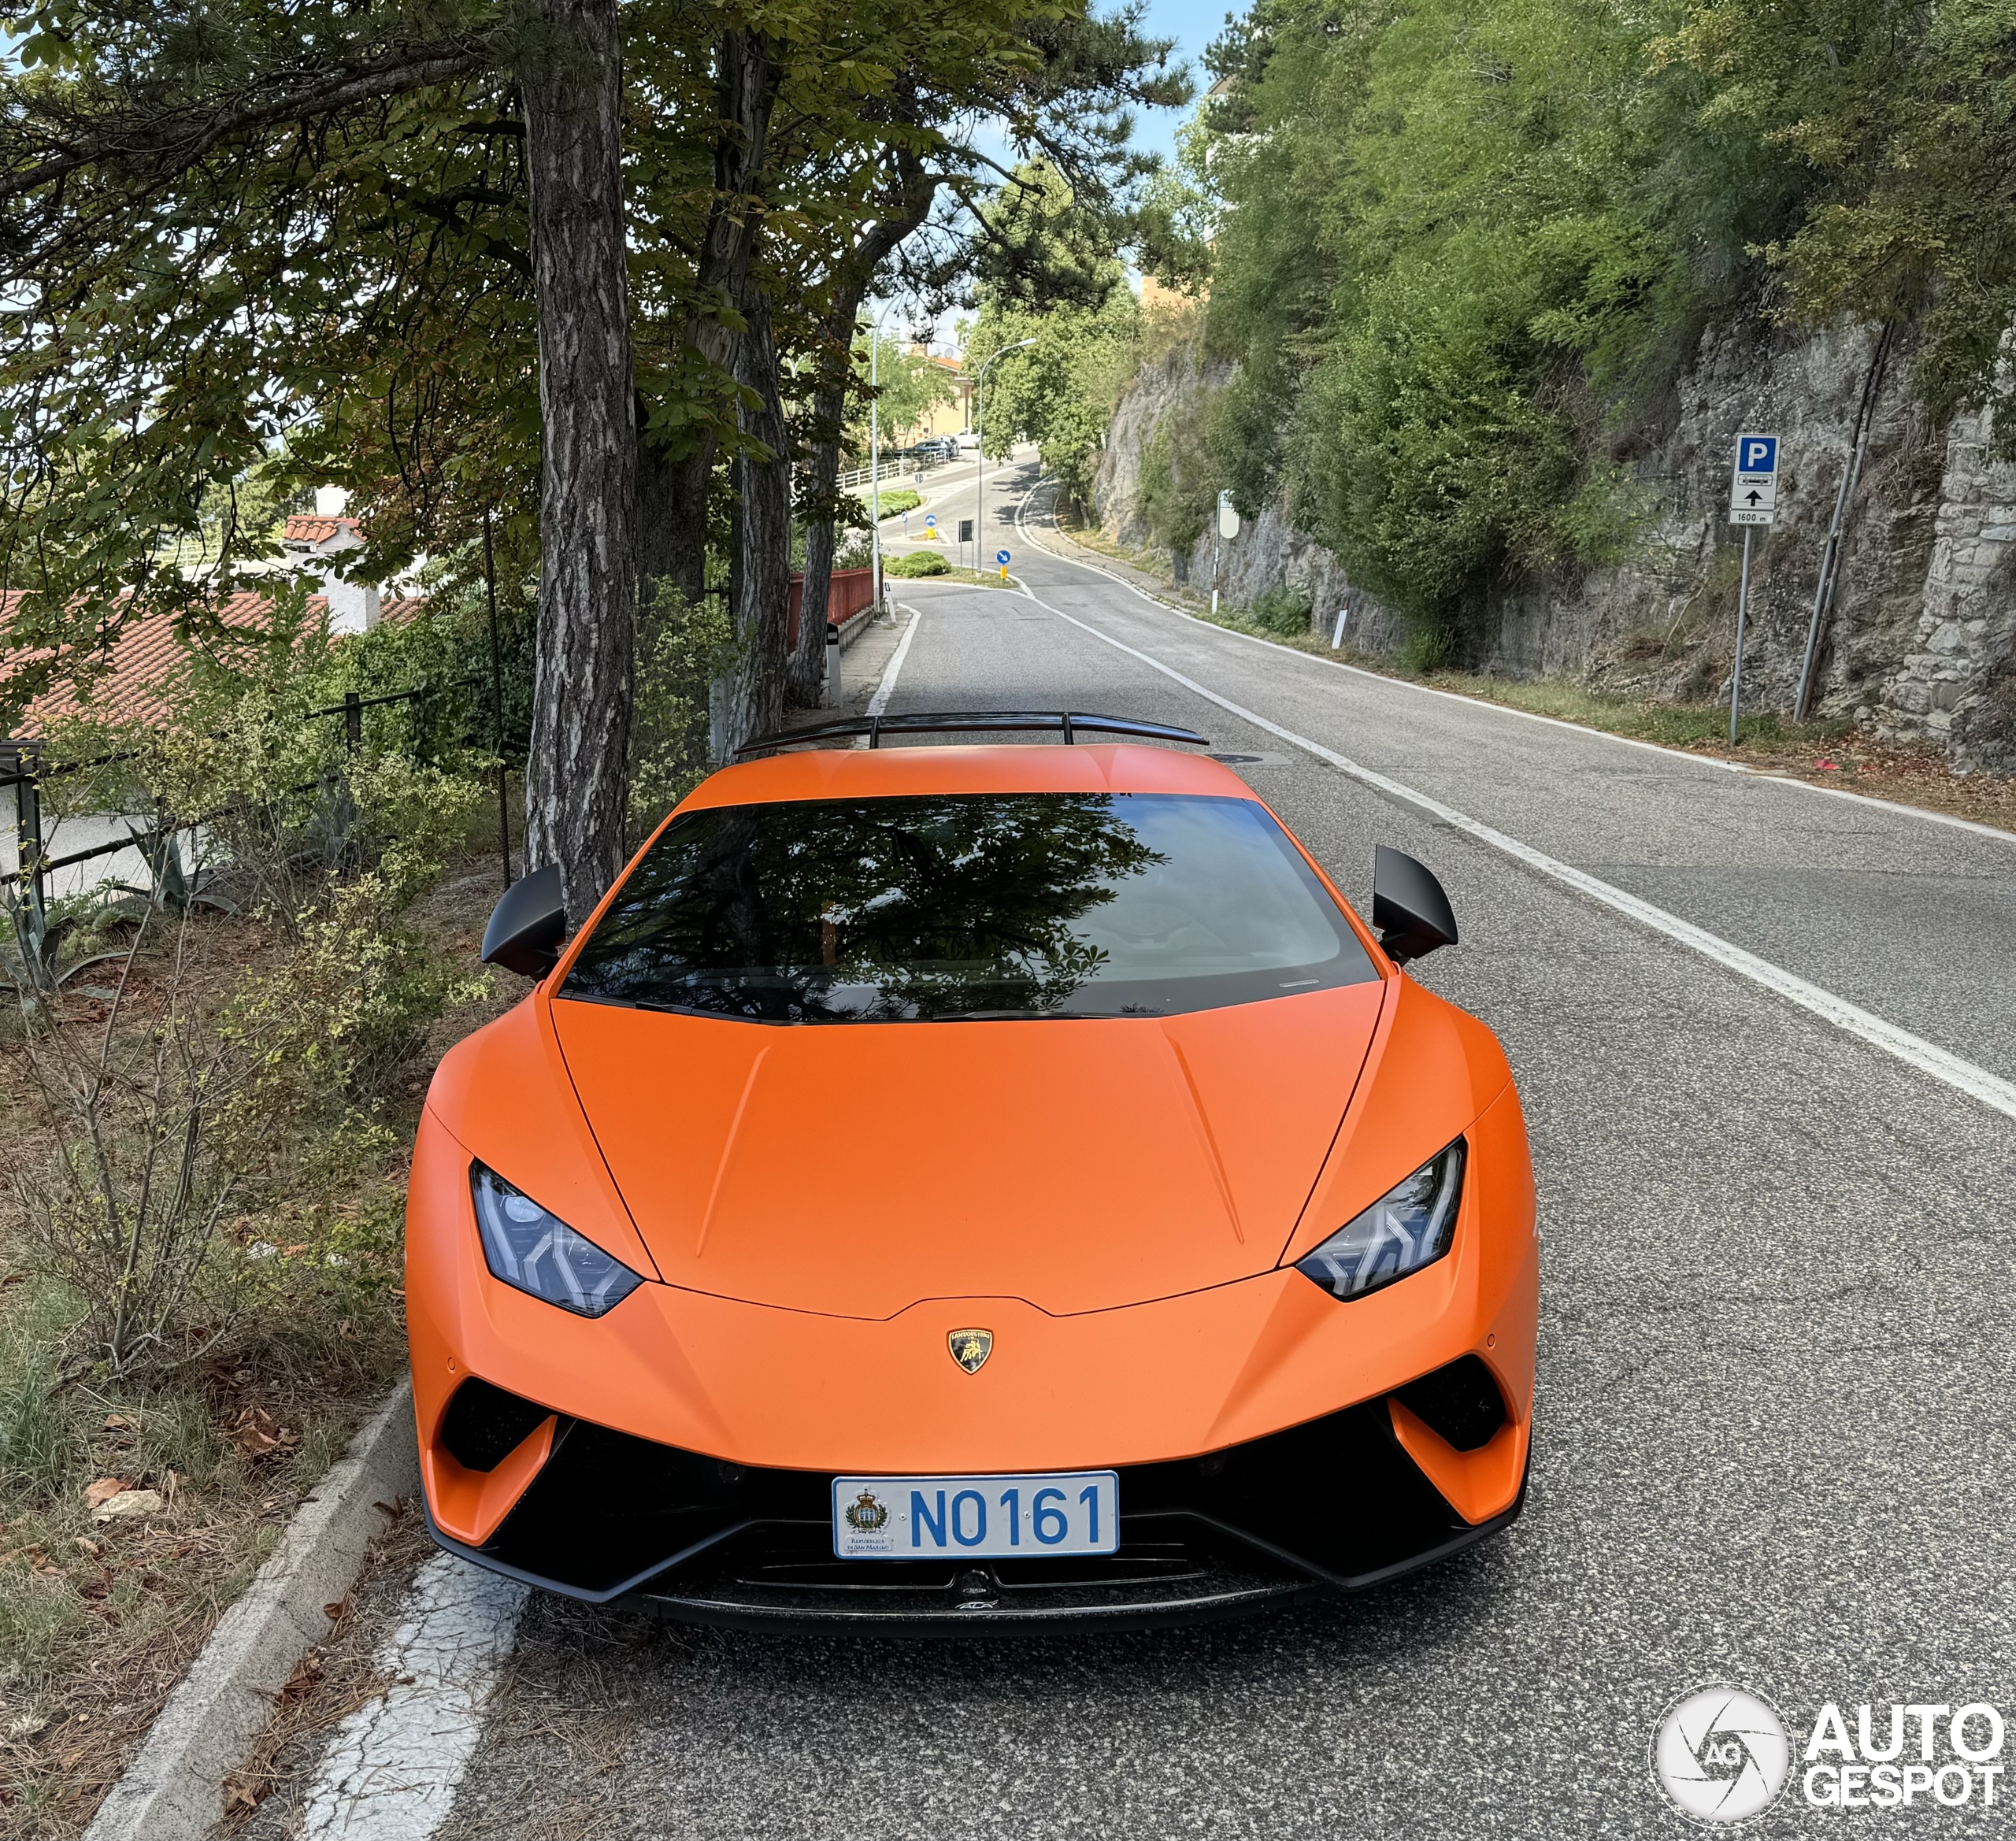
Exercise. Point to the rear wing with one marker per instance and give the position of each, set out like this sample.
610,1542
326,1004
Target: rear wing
1067,723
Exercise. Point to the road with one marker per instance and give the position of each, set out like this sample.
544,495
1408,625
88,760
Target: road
1774,1445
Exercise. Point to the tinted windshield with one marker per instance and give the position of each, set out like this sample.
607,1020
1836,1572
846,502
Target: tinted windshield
967,907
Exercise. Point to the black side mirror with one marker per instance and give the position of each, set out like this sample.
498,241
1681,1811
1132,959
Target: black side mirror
1412,913
528,926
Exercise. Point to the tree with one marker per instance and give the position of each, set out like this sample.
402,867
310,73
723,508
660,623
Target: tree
1045,281
347,237
910,387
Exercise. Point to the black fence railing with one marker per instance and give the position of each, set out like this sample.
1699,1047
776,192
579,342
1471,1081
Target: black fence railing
23,770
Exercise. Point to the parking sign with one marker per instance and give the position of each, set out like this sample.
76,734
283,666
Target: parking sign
1754,484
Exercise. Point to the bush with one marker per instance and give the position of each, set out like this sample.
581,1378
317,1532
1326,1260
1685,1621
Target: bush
895,502
1281,610
241,1063
919,562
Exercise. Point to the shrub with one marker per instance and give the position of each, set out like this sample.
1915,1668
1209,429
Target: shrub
1283,610
919,562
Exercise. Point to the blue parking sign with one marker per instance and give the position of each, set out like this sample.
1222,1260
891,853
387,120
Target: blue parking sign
1000,556
1757,454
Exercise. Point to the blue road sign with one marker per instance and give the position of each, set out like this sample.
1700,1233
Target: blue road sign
1757,454
930,523
1000,556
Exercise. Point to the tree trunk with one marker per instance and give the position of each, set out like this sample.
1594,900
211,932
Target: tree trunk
755,702
673,488
805,673
575,777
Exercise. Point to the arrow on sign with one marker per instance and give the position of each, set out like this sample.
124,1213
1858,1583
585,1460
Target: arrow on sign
1752,495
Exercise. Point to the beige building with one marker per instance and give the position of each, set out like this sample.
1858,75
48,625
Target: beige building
955,417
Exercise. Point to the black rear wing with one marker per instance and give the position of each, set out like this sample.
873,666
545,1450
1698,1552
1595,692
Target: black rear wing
1067,723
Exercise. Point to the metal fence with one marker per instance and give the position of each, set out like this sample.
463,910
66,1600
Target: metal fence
24,770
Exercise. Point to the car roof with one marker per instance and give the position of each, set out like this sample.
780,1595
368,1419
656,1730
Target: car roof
867,773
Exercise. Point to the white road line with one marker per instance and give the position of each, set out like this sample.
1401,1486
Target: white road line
392,1768
879,703
1990,1089
1893,807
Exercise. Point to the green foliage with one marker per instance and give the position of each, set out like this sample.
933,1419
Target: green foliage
918,562
908,387
681,650
1177,493
1282,610
1060,391
331,280
894,503
1897,126
1455,246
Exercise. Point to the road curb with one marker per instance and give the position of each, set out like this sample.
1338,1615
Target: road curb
173,1790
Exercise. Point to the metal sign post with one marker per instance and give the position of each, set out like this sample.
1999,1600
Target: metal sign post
1753,500
1226,529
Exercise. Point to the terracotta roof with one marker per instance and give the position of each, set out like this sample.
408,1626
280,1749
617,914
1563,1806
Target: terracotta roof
147,657
305,527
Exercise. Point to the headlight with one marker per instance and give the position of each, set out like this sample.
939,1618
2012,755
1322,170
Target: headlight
1407,1228
538,1252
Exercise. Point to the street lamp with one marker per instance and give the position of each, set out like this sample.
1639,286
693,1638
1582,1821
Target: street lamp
980,428
875,461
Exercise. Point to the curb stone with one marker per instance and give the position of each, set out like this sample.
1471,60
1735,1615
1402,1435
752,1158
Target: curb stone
173,1790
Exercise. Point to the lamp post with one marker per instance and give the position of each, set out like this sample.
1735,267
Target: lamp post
875,460
980,428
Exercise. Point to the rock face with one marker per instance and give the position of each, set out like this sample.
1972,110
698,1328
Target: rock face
1956,683
1919,636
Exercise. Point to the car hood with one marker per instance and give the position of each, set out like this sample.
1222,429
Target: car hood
855,1169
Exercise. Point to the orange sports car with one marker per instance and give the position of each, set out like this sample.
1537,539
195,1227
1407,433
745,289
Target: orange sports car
972,1184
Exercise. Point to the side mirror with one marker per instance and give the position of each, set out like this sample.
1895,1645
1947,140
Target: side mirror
1412,913
528,926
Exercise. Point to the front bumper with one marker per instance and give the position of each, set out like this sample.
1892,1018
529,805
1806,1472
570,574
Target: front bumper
1270,1442
1336,1504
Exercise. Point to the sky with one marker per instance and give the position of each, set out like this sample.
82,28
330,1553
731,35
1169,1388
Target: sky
1193,23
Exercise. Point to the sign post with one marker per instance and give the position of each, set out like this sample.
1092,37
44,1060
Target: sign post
1753,500
1227,528
1001,556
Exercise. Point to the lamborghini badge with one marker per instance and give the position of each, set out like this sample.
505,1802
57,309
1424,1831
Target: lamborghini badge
970,1348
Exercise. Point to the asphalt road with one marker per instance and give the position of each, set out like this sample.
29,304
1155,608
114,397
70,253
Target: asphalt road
1774,1443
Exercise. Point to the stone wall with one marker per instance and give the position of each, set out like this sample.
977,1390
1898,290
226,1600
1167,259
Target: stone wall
1921,637
1957,683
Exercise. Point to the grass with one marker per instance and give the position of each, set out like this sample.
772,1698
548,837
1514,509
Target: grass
1829,751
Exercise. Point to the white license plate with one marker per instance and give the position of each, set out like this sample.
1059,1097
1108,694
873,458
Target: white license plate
940,1517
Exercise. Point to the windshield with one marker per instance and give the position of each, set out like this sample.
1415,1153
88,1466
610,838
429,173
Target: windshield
965,907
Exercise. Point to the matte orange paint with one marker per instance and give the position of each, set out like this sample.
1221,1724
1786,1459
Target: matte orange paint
471,1505
1119,1202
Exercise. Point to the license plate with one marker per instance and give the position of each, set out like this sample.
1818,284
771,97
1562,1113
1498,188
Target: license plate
940,1517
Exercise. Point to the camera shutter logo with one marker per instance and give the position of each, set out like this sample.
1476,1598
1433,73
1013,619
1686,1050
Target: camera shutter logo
1721,1754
